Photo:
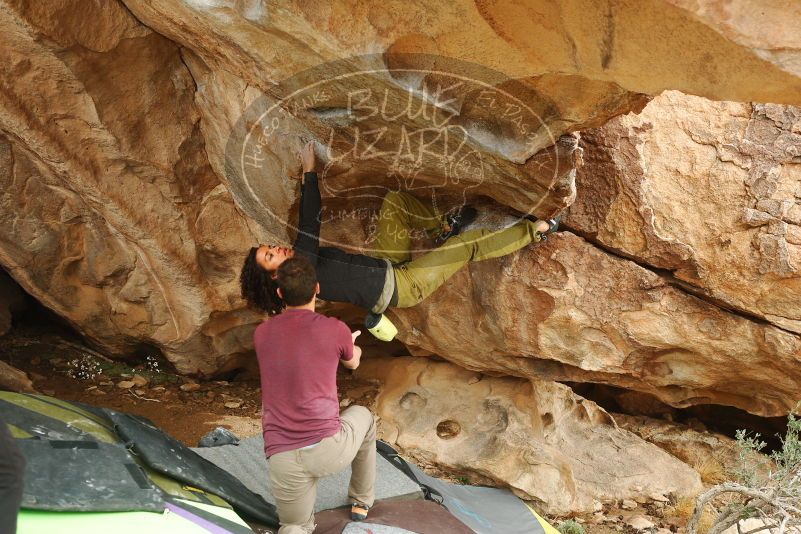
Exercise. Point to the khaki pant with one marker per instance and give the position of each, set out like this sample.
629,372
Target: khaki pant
294,474
402,214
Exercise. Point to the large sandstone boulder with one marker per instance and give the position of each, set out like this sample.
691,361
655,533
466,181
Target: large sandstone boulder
565,69
536,437
579,53
125,211
12,379
114,137
131,227
710,191
111,215
566,310
714,456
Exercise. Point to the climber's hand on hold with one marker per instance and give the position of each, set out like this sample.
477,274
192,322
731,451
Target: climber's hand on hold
307,158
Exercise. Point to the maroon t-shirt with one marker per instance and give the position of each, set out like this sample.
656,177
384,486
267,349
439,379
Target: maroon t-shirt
298,353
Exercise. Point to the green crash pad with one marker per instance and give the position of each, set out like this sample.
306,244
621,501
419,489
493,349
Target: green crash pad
85,476
88,459
166,522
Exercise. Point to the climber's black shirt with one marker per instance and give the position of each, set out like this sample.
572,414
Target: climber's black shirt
343,277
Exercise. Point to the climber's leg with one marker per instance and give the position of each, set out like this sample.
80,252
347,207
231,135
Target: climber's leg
400,214
420,277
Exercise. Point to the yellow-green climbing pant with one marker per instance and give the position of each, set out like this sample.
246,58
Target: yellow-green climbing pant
402,214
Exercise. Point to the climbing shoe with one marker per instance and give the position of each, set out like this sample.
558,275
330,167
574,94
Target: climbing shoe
358,511
456,221
553,225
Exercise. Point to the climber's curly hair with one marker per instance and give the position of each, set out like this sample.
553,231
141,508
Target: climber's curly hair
259,287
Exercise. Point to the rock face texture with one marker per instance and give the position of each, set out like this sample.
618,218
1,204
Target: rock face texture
575,50
536,437
712,455
567,311
12,379
710,191
116,118
111,215
706,190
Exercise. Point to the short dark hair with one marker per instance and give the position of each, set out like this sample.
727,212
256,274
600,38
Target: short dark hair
258,286
297,280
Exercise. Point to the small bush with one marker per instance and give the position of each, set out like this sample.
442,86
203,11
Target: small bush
570,527
764,487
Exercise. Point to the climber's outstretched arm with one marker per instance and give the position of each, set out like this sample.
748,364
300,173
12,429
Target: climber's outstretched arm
308,240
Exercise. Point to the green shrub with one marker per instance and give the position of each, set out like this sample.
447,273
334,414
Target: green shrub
764,487
570,527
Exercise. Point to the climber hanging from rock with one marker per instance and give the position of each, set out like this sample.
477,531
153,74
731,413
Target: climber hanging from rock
390,278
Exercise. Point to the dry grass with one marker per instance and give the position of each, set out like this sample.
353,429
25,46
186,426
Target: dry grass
711,471
683,509
712,466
